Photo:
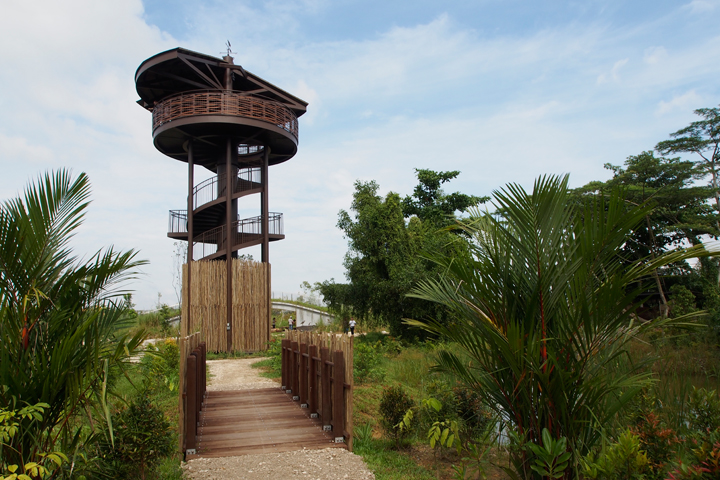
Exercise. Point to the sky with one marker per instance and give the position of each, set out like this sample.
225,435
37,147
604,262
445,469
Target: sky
503,91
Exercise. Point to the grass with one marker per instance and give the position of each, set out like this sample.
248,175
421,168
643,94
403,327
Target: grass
389,464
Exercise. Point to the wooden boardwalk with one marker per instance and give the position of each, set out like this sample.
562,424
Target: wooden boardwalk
264,420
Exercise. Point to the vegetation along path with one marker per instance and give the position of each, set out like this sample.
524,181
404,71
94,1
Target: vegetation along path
325,464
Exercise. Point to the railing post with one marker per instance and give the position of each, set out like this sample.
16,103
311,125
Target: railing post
312,387
285,344
325,382
338,414
294,370
303,390
203,371
190,399
198,382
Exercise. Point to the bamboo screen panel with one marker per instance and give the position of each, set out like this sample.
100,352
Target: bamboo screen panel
333,342
250,304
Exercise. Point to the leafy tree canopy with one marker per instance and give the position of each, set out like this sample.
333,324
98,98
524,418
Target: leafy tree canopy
383,262
429,203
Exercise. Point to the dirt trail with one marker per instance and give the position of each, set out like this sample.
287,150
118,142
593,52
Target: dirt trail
327,464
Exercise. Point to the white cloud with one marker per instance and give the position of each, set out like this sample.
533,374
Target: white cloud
654,55
702,6
614,74
686,102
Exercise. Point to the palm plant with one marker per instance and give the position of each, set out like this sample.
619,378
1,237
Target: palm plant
544,307
59,315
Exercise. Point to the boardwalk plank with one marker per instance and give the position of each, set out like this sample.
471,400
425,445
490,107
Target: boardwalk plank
264,420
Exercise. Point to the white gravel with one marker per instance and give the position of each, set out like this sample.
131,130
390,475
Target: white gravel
236,374
327,464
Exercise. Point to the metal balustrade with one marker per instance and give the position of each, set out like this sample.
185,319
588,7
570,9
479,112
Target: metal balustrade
245,231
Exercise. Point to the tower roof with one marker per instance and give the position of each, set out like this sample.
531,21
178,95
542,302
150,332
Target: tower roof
180,70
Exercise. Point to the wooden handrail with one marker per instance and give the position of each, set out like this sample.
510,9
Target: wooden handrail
320,379
219,102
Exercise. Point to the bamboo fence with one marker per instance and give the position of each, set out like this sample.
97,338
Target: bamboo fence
333,342
250,304
186,345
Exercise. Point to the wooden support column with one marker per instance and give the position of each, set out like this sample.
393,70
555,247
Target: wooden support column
338,413
326,409
312,387
229,241
265,213
191,232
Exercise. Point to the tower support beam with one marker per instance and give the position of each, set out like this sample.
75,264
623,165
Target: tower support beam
229,181
191,185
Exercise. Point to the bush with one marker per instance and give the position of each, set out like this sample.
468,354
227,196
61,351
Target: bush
704,410
366,362
394,404
142,437
161,364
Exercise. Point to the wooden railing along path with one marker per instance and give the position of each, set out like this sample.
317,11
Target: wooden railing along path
317,370
192,390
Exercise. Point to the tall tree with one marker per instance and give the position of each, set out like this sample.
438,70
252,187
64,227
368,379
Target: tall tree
542,306
429,203
680,210
383,263
701,138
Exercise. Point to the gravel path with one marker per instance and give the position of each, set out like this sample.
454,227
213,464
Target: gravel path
236,374
327,464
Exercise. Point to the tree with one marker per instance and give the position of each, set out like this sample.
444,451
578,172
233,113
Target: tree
382,263
703,139
59,315
542,306
429,203
680,210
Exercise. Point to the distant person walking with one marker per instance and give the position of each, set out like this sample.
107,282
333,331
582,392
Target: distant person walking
290,323
352,327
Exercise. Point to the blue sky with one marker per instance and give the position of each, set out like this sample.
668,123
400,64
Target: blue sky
503,91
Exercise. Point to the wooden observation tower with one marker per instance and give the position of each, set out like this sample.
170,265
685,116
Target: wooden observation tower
211,113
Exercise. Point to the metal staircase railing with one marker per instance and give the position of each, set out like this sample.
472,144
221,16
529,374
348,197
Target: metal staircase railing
246,230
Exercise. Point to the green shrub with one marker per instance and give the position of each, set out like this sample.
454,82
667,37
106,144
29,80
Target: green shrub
142,436
366,362
161,364
704,410
623,460
471,410
394,404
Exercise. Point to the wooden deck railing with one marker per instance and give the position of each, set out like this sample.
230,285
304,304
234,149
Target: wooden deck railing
192,389
317,370
220,102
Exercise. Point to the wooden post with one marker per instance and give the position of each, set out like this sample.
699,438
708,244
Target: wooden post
325,383
190,399
294,369
285,345
338,413
303,376
203,370
312,375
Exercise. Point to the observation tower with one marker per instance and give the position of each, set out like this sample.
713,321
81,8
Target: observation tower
211,113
